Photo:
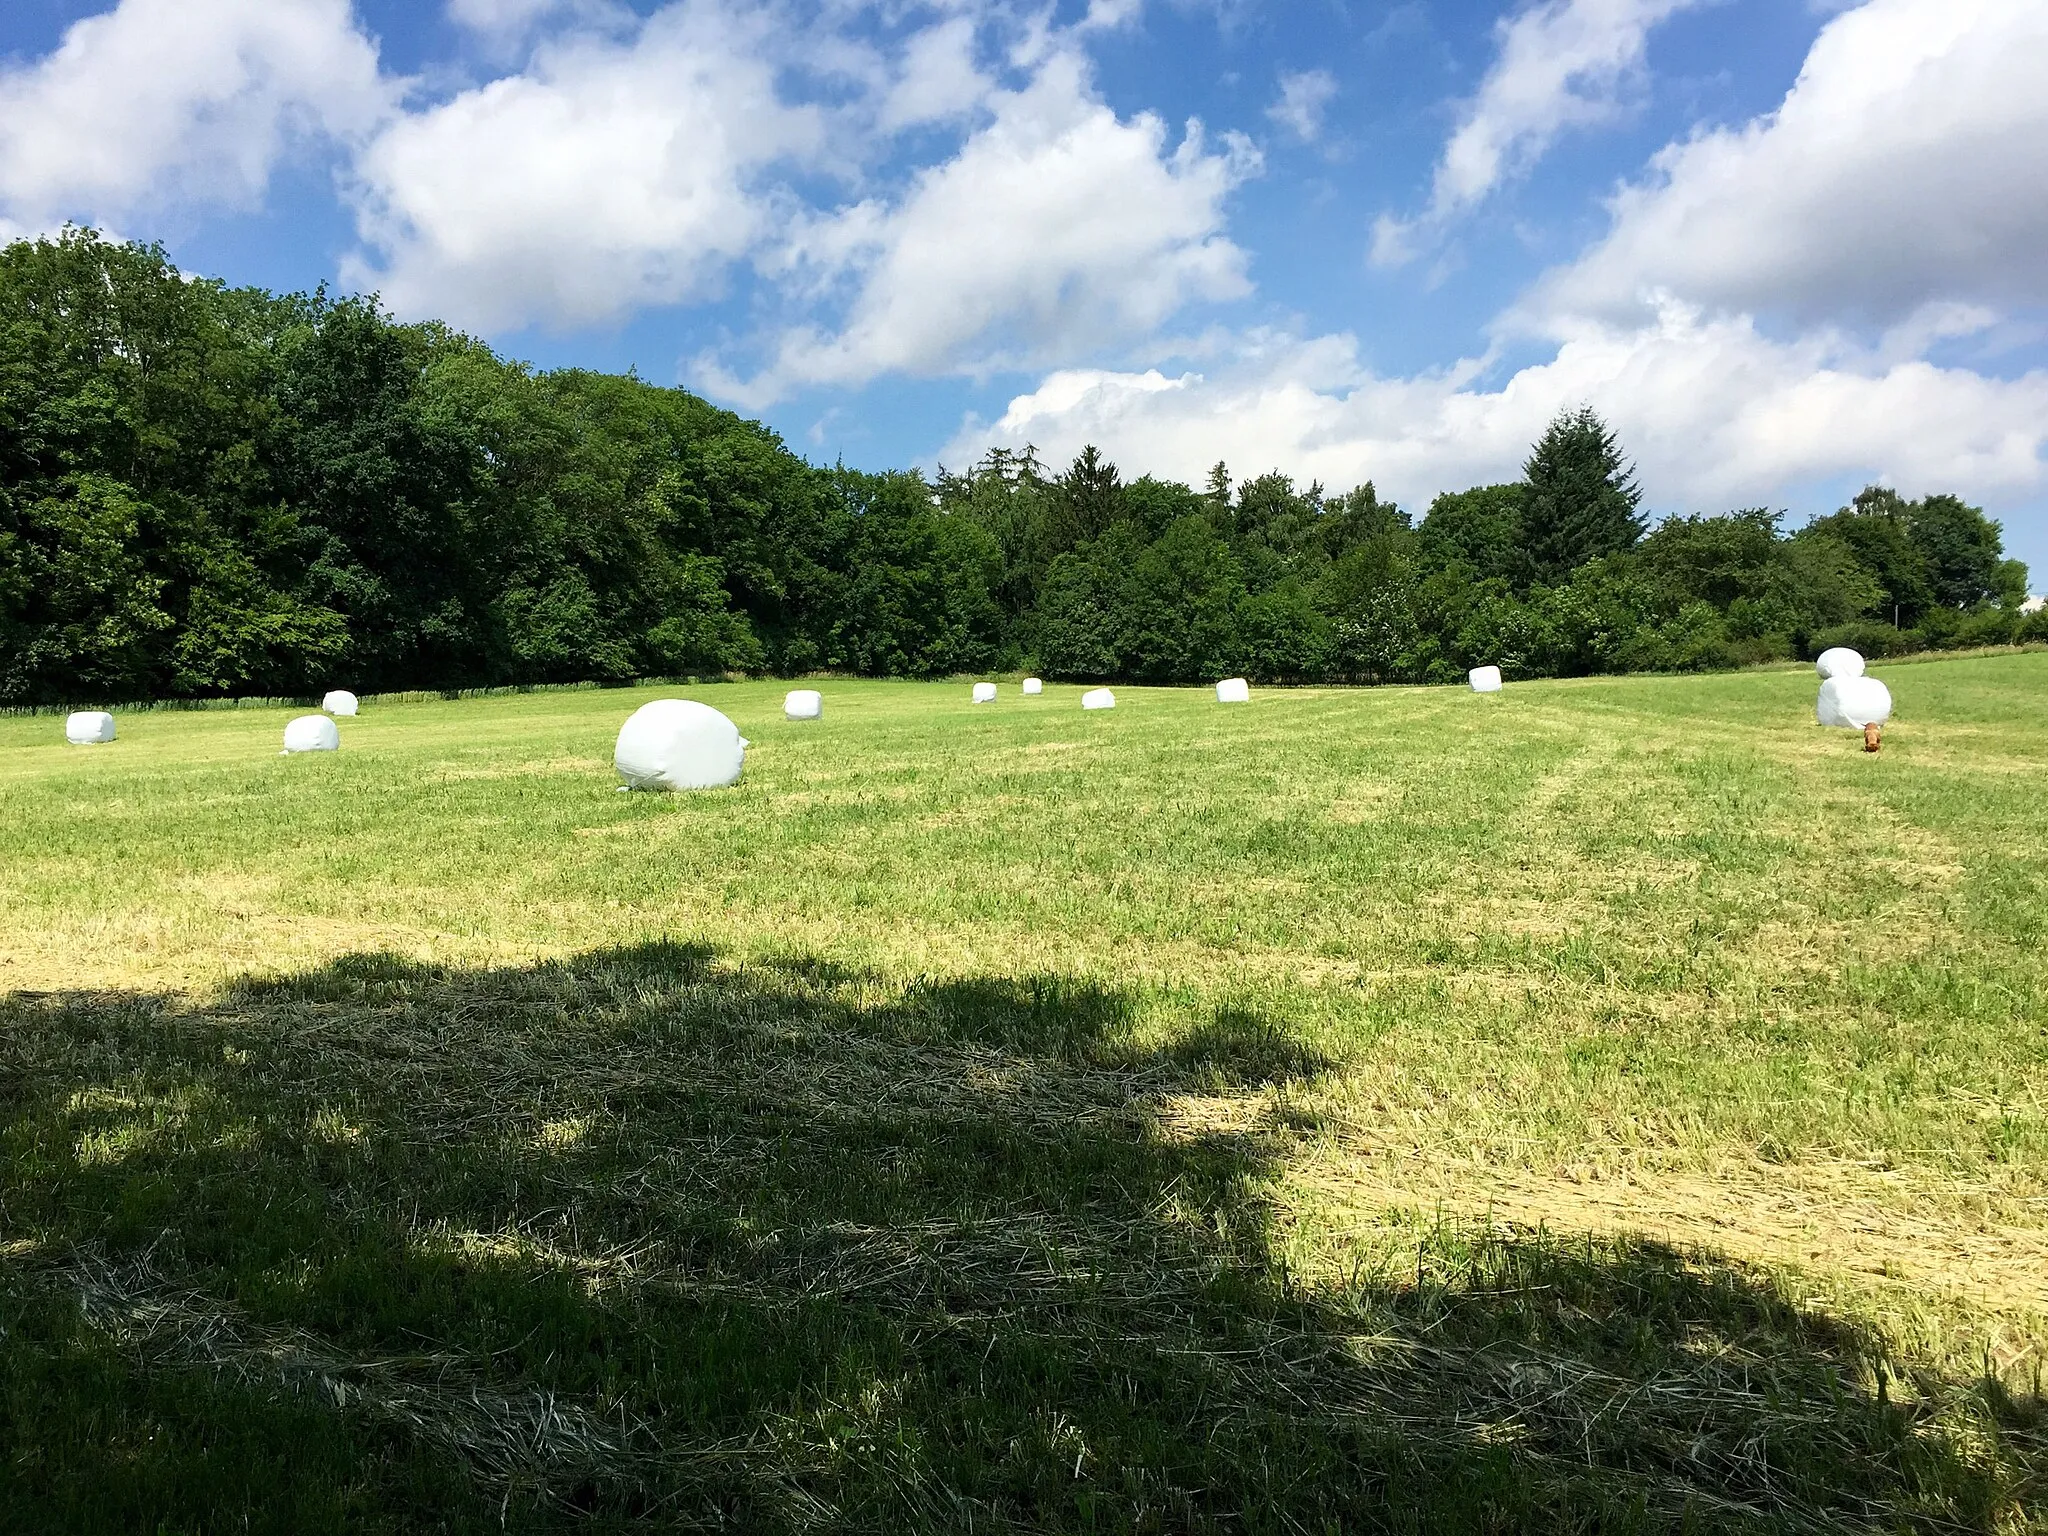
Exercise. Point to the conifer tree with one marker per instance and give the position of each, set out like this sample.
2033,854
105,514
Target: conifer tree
1581,500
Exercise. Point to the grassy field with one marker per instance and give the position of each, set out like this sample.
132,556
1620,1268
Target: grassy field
1615,1104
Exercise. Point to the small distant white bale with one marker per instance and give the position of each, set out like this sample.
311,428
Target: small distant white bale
1839,661
984,693
1098,698
340,702
89,728
1033,687
312,733
1854,702
804,704
679,744
1233,690
1484,679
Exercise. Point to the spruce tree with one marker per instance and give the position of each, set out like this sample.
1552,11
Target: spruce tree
1581,499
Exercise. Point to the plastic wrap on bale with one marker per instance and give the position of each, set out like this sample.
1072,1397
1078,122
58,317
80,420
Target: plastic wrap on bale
89,728
679,744
340,702
1484,679
1851,703
1233,690
1098,698
1838,661
312,733
984,693
804,704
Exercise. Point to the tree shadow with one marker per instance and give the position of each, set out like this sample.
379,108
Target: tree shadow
647,1239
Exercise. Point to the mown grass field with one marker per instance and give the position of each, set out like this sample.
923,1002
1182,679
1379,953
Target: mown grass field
1617,1104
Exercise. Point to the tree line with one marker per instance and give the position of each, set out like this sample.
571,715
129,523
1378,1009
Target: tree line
209,491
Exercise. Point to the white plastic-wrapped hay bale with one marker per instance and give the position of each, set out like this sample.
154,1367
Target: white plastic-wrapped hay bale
1838,661
984,693
340,702
679,744
1033,687
1233,690
804,704
1098,698
1484,679
312,733
88,727
1851,703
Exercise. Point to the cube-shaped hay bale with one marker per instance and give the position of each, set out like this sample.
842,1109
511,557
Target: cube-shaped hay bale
1484,679
340,702
804,704
1233,690
1098,698
679,744
1851,703
1838,661
89,728
984,693
312,733
1033,687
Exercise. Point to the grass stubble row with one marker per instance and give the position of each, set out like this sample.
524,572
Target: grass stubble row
1612,1104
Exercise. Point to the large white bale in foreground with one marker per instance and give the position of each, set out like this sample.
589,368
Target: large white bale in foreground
88,727
1484,679
340,702
804,704
1098,698
312,733
679,744
1033,687
1233,690
1838,661
984,693
1854,702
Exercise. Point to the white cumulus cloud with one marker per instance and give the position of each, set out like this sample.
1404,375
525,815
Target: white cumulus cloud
608,176
1304,97
1908,166
1766,312
176,103
1058,227
1561,64
1716,414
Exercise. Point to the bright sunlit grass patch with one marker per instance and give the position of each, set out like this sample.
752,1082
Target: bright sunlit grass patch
1601,1102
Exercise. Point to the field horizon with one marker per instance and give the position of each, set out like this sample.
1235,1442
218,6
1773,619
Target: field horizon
1613,1103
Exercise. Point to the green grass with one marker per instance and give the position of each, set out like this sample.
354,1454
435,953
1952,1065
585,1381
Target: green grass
1610,1105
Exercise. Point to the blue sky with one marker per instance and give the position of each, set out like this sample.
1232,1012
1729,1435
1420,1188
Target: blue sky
1786,248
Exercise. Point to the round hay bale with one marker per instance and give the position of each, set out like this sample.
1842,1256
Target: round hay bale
1033,687
1098,698
1233,690
340,702
89,728
679,744
1839,661
804,704
984,693
312,733
1484,679
1851,703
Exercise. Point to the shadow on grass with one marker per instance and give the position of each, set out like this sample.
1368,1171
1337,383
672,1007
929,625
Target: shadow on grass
644,1239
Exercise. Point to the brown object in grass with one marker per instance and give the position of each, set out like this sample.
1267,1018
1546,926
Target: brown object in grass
1873,736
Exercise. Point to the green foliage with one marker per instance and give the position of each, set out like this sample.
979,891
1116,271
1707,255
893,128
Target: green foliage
1581,496
1481,529
211,491
207,491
